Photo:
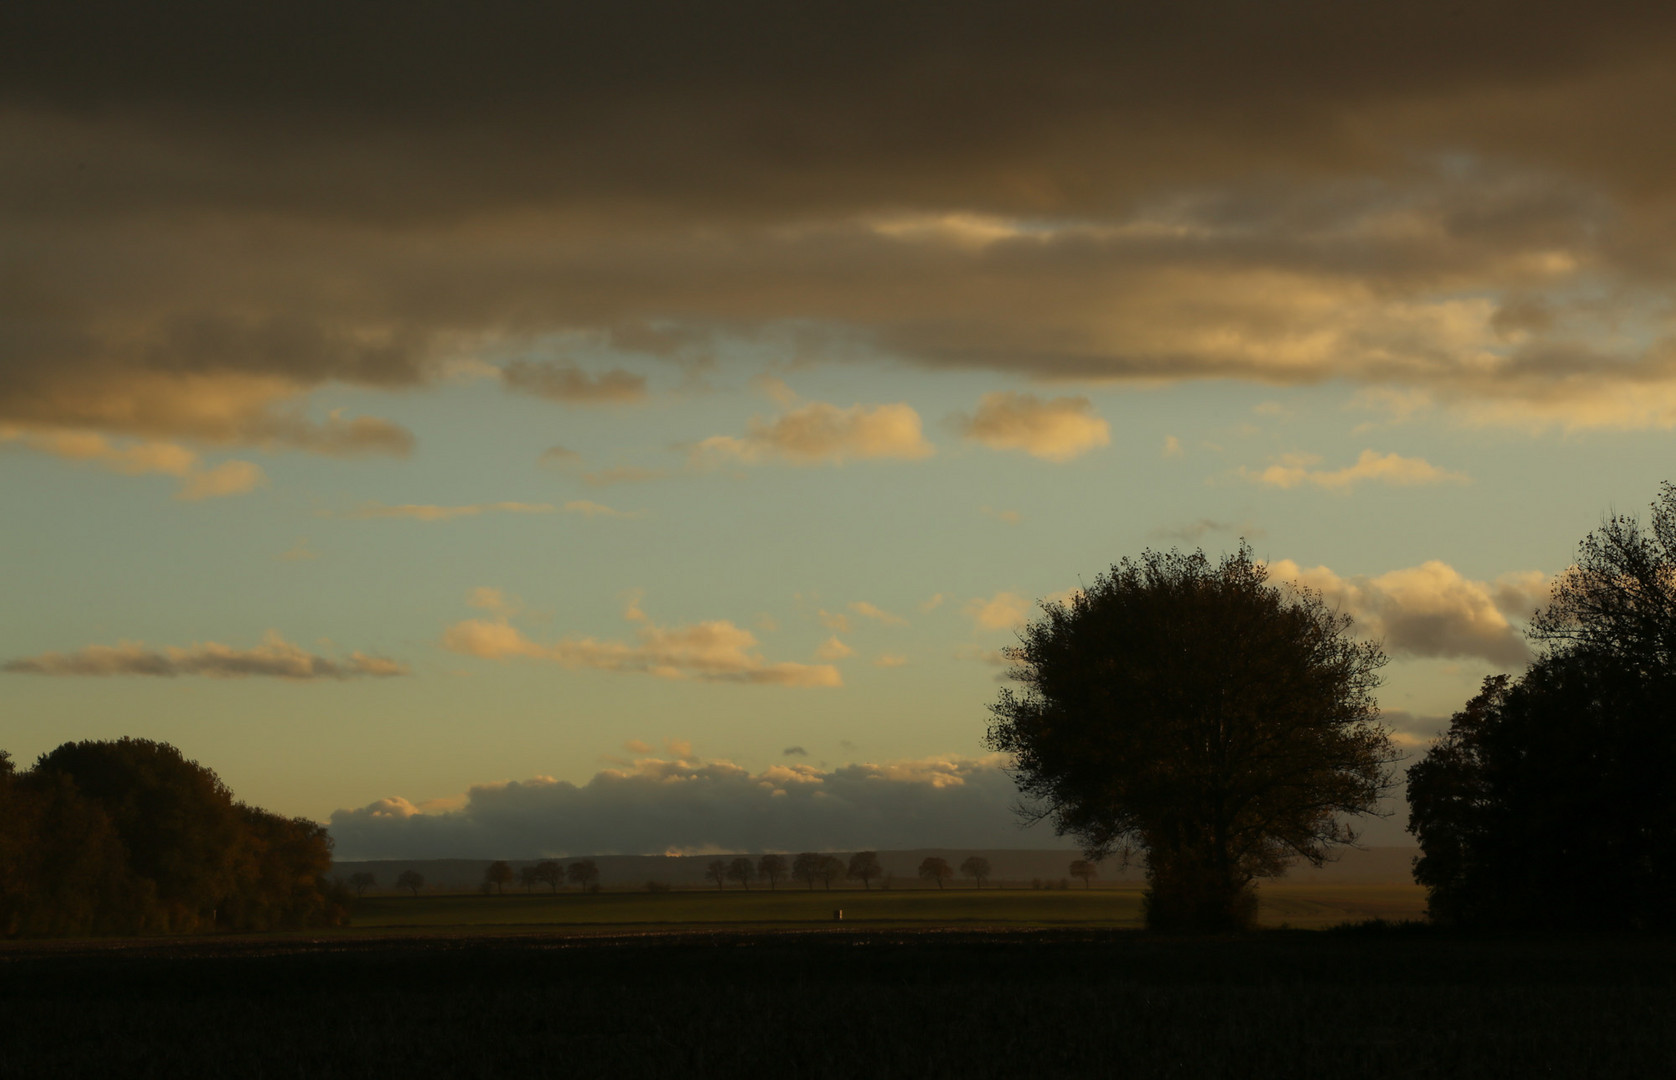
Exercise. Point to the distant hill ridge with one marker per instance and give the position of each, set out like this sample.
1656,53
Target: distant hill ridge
1013,866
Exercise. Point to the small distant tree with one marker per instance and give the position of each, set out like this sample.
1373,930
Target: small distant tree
864,867
498,876
936,869
584,874
807,868
1082,868
361,881
549,873
772,867
742,870
411,880
976,867
717,872
831,869
527,877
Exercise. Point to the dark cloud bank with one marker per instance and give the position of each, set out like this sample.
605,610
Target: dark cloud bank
211,210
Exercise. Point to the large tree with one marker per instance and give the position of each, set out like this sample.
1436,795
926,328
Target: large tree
1547,802
1193,712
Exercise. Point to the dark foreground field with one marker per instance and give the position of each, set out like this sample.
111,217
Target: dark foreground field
843,1003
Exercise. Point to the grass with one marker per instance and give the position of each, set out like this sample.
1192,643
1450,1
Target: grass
1111,907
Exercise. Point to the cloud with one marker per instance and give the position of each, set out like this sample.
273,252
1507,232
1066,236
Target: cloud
560,456
227,478
1009,517
424,512
137,458
655,805
638,746
834,620
1172,447
592,510
274,657
932,604
1056,430
568,383
890,660
1429,610
1003,611
822,434
1293,471
1260,193
794,751
299,552
876,613
833,649
711,651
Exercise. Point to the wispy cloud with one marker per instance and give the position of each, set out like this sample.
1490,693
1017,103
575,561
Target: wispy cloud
275,657
877,614
710,651
427,512
141,457
823,434
1295,470
1003,611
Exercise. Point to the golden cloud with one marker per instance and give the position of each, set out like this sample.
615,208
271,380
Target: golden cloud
1056,430
823,434
275,657
1294,470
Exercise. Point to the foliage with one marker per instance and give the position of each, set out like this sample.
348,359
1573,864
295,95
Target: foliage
411,880
1573,764
361,881
864,867
1086,870
807,868
717,872
741,870
548,872
935,869
772,867
830,868
977,868
497,876
1194,712
584,874
129,836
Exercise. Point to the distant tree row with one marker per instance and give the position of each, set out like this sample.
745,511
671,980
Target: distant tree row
583,873
130,837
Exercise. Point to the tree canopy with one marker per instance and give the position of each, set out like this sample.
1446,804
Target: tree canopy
1546,804
129,836
1197,714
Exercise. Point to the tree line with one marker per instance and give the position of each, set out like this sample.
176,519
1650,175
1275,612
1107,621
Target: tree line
129,837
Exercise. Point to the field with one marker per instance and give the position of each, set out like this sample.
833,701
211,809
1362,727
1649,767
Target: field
1298,906
842,1002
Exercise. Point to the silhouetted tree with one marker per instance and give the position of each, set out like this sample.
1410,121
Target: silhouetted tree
717,872
1087,871
831,869
772,867
549,873
807,868
976,867
584,873
175,818
1216,722
1547,802
864,867
411,880
936,869
361,881
498,875
528,876
742,870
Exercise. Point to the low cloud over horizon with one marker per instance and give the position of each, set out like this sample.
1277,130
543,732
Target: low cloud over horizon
275,657
654,806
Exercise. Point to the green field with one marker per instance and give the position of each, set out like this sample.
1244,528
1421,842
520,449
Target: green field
1301,907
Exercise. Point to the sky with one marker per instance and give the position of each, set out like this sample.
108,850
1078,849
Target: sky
520,430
